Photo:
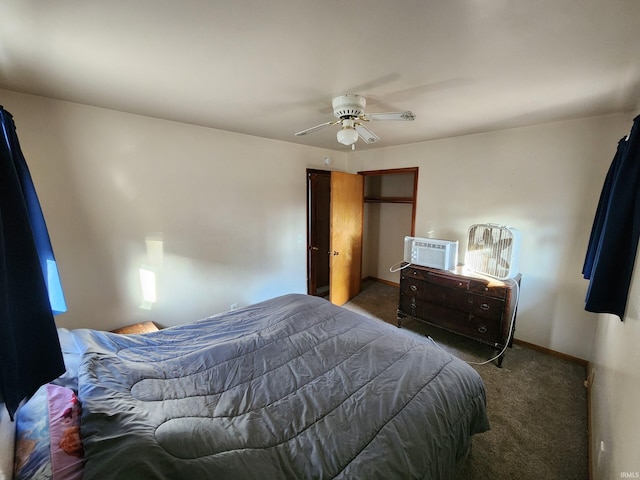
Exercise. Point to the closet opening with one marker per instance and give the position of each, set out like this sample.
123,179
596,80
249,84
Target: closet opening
390,198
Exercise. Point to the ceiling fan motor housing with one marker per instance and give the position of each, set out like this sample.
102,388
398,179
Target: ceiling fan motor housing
349,106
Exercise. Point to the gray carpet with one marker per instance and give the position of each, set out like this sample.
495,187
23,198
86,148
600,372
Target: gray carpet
537,403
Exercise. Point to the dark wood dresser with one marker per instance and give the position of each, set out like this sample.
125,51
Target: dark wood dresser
465,303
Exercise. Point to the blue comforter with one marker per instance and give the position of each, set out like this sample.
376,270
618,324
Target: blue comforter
293,387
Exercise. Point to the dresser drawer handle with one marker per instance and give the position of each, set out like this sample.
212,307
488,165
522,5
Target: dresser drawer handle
413,288
484,307
482,329
412,306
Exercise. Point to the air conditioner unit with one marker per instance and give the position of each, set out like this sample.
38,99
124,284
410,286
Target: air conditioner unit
431,252
493,250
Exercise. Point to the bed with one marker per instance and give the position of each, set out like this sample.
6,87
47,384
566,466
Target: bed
292,387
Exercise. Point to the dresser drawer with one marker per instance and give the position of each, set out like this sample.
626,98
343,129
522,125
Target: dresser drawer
484,288
415,273
433,276
485,329
445,280
481,286
462,300
424,290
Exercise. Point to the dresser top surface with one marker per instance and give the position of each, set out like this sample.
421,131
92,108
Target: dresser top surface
464,273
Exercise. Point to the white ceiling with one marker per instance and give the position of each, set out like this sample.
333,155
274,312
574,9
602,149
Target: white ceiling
271,68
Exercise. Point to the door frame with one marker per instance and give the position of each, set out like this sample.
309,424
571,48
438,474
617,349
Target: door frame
345,229
312,288
414,197
407,200
377,197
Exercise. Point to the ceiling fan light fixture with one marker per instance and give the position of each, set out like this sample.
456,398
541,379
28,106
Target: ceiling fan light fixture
347,136
349,109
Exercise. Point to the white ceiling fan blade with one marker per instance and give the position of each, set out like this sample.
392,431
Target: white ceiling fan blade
365,134
317,127
406,116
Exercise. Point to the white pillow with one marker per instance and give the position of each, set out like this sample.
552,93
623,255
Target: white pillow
72,355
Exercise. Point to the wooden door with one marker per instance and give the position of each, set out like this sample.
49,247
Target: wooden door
318,237
346,226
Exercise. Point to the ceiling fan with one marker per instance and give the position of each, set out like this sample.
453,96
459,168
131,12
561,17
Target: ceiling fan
349,110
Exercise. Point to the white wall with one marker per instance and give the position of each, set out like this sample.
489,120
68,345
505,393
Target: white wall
230,210
385,226
7,443
615,392
615,410
544,180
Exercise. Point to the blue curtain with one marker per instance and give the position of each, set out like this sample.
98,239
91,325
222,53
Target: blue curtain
30,353
614,237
